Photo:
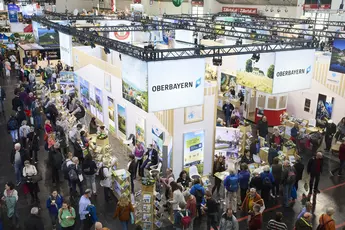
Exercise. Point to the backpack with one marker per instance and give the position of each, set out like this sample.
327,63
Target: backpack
64,167
291,178
231,183
72,175
266,182
12,124
57,160
101,173
185,220
322,226
199,196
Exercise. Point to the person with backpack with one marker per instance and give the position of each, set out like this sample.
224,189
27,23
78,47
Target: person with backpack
228,221
55,159
105,181
183,220
211,210
53,204
12,128
314,169
288,181
198,191
67,216
89,170
65,167
75,176
304,223
231,186
191,206
243,180
326,221
267,183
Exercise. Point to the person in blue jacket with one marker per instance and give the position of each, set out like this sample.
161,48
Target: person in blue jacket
54,203
267,183
198,191
243,179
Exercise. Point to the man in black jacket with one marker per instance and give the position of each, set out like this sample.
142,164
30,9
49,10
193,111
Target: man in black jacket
55,158
152,159
315,166
262,127
34,222
2,98
331,129
16,102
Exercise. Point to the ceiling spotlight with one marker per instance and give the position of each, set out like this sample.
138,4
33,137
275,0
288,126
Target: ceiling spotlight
256,57
106,50
92,45
286,10
310,27
325,27
272,9
239,42
278,10
217,61
266,9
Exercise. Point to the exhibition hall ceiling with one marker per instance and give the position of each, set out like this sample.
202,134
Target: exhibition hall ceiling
260,2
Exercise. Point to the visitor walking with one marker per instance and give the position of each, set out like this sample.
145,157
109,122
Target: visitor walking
314,169
124,211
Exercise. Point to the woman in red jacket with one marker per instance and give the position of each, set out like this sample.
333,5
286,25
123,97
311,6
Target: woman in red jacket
255,218
234,121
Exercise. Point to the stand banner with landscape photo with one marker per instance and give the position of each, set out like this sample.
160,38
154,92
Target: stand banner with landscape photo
324,107
76,84
226,82
66,78
256,71
93,101
111,114
193,150
338,57
157,138
140,130
121,121
84,93
134,81
99,104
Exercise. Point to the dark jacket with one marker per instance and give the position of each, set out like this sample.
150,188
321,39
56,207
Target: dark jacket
299,170
218,167
78,151
312,167
262,128
12,124
227,109
23,155
89,167
34,222
256,182
93,128
55,158
21,116
244,159
16,102
302,224
277,171
3,94
132,168
243,179
342,152
154,156
253,149
294,132
272,153
331,129
285,175
33,141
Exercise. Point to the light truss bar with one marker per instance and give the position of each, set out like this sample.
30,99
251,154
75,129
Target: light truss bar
200,51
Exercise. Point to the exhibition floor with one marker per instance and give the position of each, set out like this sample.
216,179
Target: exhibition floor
332,189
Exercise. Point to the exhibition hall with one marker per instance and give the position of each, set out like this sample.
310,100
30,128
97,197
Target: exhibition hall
172,114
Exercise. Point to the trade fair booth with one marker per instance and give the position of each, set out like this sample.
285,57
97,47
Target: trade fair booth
32,52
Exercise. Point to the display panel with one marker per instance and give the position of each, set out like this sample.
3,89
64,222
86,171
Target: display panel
134,81
338,57
293,70
111,115
99,104
193,143
193,114
157,138
84,93
66,77
256,71
65,42
324,107
92,100
47,36
175,84
121,121
227,81
140,130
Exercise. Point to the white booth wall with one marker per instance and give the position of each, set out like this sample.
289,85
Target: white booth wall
62,5
95,77
95,52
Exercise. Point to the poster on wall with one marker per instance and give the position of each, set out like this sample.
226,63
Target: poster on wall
93,101
140,130
107,81
66,78
296,74
193,114
76,84
170,154
65,42
193,150
134,81
84,93
47,37
324,107
157,138
333,78
338,57
226,82
210,72
99,104
13,10
307,103
111,114
121,121
181,79
256,71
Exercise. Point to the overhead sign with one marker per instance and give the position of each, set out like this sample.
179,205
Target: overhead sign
316,6
293,70
239,10
333,78
65,41
175,84
13,10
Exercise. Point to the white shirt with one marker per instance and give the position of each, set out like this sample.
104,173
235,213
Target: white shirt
14,193
177,199
29,170
24,130
107,181
16,66
13,58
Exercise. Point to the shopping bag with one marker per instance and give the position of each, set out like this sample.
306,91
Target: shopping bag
132,218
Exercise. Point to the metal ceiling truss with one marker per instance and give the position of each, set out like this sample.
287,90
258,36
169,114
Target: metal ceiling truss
148,53
273,29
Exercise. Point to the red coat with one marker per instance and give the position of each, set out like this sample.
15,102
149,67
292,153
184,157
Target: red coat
342,152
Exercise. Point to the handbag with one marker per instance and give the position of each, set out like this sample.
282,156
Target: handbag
36,178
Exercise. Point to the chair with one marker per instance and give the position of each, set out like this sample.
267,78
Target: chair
193,172
155,169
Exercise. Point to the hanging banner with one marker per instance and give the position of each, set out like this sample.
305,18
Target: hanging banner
324,107
337,59
99,104
84,93
294,74
13,10
157,138
121,121
66,48
175,84
240,10
333,78
140,130
193,150
111,114
93,101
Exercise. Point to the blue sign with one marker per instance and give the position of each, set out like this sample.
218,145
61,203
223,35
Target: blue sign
13,10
